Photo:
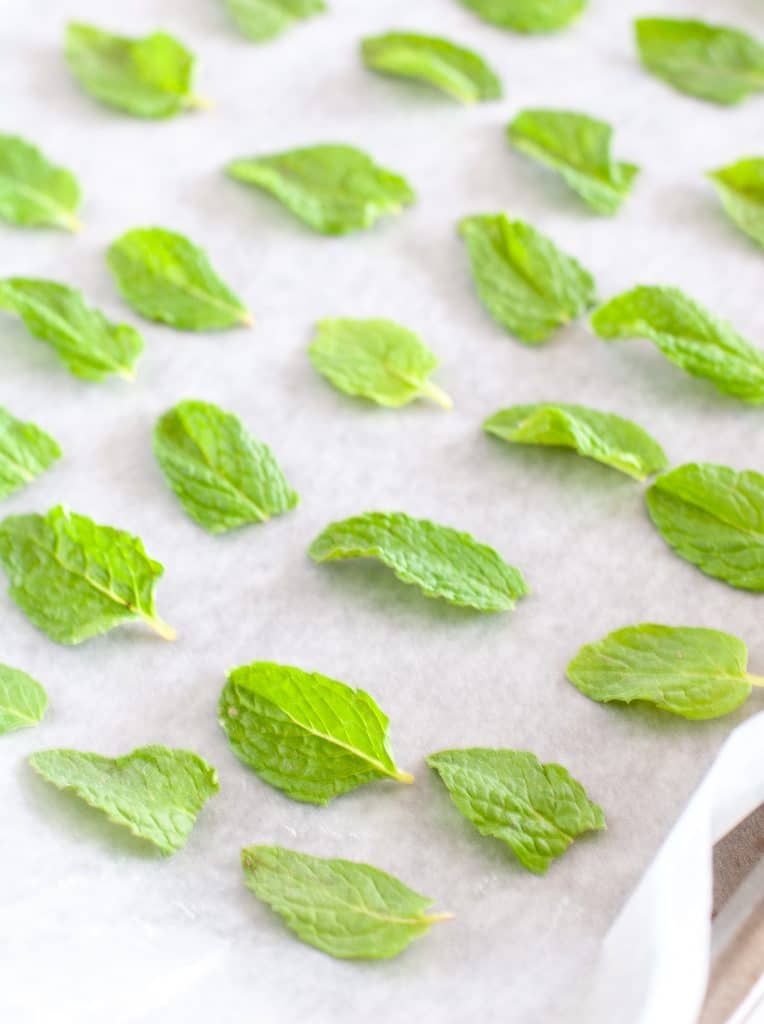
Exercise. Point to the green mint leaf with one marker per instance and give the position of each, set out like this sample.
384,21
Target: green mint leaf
33,191
261,20
713,516
346,909
89,345
442,562
309,736
156,792
147,77
741,189
224,477
75,579
333,189
439,62
695,673
525,282
688,336
528,15
167,278
376,359
26,451
22,700
536,809
712,62
601,436
578,148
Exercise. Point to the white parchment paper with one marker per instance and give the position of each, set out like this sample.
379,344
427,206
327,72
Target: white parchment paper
95,927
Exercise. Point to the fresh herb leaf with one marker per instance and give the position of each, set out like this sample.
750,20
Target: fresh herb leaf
376,359
333,189
22,700
741,189
713,516
224,477
442,562
536,809
147,77
712,62
309,736
33,191
695,673
156,792
261,20
578,148
601,436
346,909
439,62
525,282
75,579
167,278
528,15
26,451
688,336
89,345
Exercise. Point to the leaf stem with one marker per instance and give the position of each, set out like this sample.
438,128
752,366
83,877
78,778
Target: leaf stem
439,917
160,627
246,318
406,777
755,680
437,395
73,223
195,102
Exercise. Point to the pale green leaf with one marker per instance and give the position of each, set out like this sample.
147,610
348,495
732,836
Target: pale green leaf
22,700
89,345
695,673
332,188
578,148
346,909
537,809
455,70
525,282
376,359
713,516
33,191
224,477
167,278
156,792
601,436
308,735
741,189
528,15
260,20
688,336
712,62
26,451
75,579
442,562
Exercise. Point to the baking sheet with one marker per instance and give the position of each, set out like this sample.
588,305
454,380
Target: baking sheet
92,923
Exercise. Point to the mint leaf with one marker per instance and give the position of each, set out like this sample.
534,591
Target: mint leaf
741,189
442,562
439,62
346,909
601,436
713,516
712,62
261,20
26,451
147,77
167,278
537,809
309,736
528,15
22,700
376,359
156,792
223,476
695,673
33,191
89,345
525,282
578,148
75,579
688,336
333,189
